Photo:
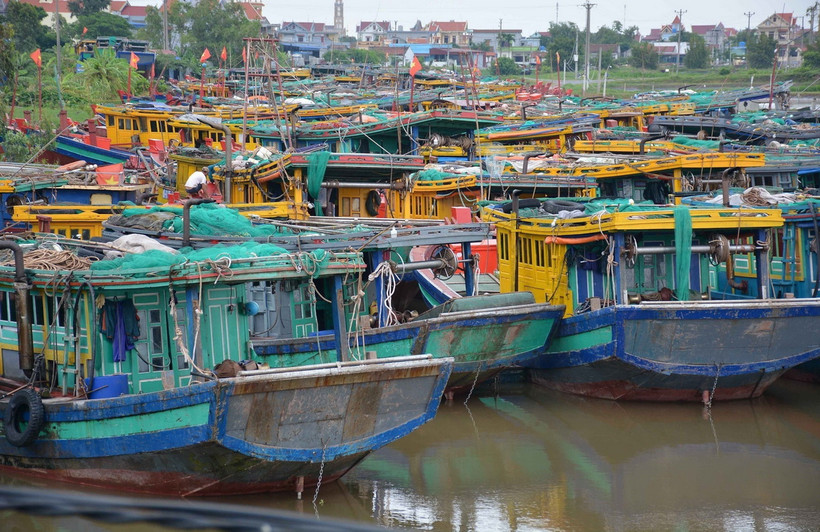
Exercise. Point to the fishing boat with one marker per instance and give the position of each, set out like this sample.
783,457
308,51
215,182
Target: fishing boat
139,373
388,310
794,255
642,322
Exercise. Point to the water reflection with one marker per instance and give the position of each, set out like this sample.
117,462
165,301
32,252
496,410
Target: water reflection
541,460
533,459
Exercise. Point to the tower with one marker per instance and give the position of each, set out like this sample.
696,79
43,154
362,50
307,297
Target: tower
339,16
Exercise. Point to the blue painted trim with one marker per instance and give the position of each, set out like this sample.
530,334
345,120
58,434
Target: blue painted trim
333,452
129,405
116,446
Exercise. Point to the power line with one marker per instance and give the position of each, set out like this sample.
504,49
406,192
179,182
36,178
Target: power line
748,34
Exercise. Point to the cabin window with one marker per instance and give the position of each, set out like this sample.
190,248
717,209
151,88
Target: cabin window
153,126
151,352
8,311
37,310
51,305
503,249
539,254
110,121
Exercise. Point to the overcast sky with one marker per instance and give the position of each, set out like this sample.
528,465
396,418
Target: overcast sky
532,15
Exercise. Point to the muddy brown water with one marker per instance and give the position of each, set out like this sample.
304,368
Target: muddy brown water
527,459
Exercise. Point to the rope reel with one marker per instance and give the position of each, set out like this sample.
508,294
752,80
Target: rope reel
449,262
719,250
630,251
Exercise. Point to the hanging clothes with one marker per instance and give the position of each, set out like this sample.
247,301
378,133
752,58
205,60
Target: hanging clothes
120,324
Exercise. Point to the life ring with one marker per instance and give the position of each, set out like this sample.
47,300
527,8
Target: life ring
371,204
19,430
554,206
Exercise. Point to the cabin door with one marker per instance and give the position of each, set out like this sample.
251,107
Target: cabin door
223,330
156,364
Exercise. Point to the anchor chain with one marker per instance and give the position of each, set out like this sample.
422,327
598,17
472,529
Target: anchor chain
714,387
321,473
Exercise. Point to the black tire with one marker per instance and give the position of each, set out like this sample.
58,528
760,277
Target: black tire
554,206
371,204
527,203
19,431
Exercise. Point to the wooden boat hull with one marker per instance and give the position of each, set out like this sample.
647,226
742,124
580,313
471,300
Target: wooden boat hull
679,351
261,431
481,342
75,150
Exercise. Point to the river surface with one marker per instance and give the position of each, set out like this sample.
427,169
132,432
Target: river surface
528,459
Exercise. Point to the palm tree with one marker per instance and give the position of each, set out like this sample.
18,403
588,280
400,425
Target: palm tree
103,75
505,40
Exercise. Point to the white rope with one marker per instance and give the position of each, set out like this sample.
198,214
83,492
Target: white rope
389,281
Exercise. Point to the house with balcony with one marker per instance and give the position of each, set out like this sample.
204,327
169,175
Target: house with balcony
311,38
787,35
372,32
453,33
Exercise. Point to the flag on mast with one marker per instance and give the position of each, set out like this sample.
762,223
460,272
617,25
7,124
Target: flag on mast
205,55
415,67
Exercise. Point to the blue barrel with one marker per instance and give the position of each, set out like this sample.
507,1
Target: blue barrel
108,386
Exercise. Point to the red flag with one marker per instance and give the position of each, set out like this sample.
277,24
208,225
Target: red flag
85,30
205,55
415,67
224,54
35,56
134,60
244,55
537,59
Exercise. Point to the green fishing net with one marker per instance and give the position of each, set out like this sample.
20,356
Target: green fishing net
210,219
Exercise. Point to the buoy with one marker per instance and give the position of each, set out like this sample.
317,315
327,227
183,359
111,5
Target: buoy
76,165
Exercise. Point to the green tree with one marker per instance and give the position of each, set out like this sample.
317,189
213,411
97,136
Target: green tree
208,24
505,40
214,25
760,52
483,46
102,76
7,53
29,32
356,55
87,7
7,70
507,67
644,56
698,54
811,58
561,40
98,25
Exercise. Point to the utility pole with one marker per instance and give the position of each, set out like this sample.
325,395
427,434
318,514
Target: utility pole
588,7
165,42
500,21
680,13
748,34
575,55
812,12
